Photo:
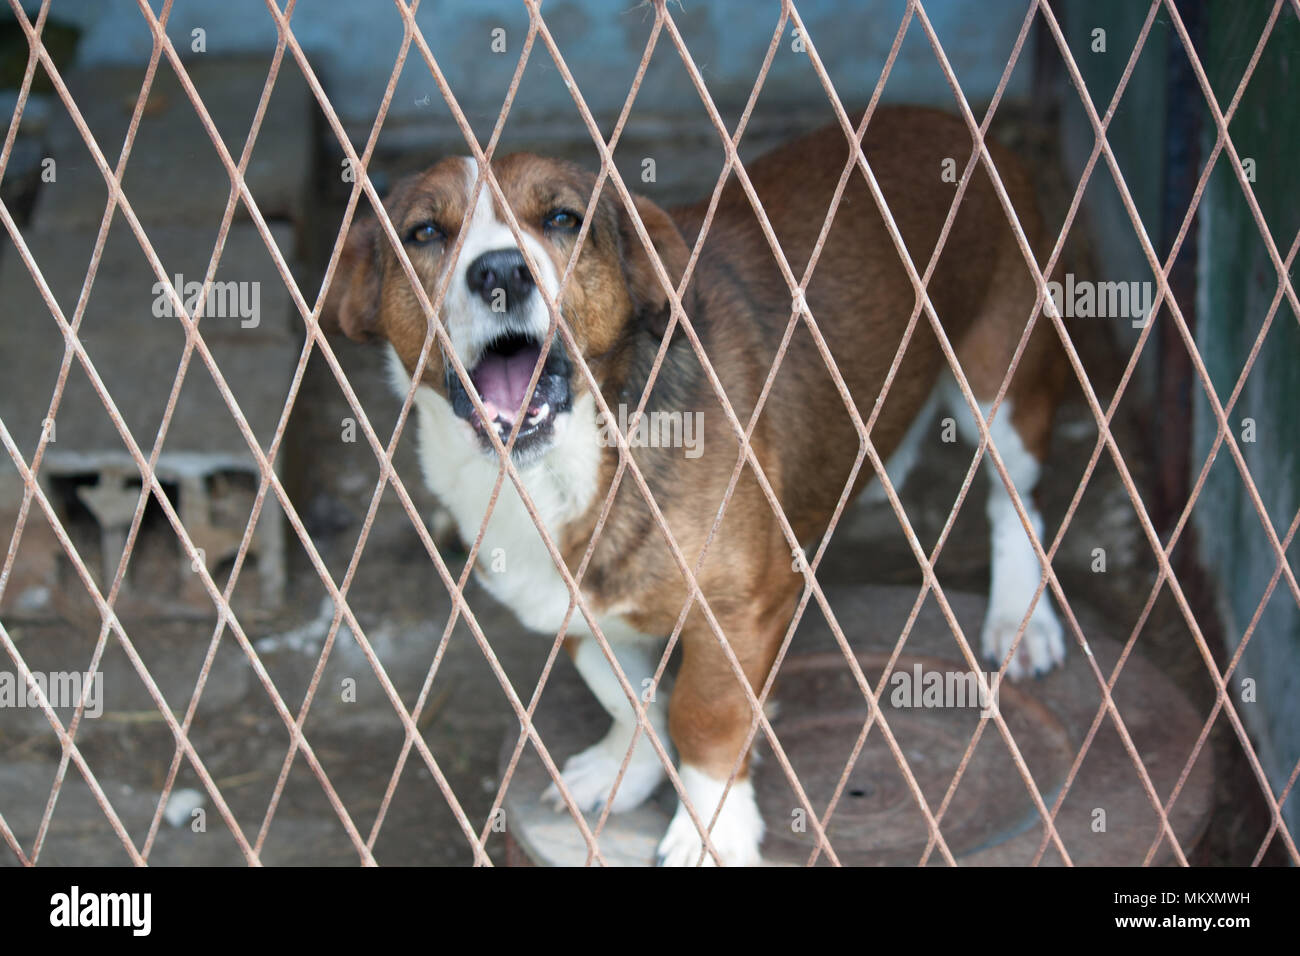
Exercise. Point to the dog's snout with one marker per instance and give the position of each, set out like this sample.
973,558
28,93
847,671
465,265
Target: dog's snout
500,278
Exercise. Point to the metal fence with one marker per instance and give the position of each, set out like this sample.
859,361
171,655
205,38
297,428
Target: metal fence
539,42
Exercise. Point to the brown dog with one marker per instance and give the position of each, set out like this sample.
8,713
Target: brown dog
740,306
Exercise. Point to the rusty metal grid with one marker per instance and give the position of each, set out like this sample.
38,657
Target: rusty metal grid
915,17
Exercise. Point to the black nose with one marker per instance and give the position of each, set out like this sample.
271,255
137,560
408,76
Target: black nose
500,278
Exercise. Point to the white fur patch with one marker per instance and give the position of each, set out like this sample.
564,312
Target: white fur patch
736,835
471,323
514,564
1015,568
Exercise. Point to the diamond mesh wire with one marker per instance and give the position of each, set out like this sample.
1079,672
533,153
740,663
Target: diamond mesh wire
664,29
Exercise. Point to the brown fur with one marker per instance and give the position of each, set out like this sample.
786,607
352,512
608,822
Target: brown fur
739,305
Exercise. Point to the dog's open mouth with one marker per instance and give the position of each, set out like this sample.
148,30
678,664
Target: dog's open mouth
501,376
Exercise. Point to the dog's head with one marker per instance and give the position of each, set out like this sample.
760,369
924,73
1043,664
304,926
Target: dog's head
492,311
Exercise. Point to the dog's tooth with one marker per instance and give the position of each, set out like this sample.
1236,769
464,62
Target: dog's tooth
537,413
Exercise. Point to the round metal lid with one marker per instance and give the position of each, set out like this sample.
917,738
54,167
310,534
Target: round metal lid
990,817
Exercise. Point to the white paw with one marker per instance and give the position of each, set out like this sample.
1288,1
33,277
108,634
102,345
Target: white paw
1040,649
589,775
736,835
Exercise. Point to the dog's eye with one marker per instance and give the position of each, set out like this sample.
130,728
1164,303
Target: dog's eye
425,232
564,219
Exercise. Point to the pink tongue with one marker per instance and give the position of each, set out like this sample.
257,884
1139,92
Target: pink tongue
502,379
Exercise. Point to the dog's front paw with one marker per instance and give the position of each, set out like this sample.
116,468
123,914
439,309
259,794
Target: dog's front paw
736,835
589,775
1040,649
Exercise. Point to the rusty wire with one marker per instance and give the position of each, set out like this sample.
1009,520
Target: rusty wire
688,566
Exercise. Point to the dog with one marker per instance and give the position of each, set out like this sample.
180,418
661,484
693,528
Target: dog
739,306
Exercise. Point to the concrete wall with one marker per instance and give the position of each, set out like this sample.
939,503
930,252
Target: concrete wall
1238,283
352,46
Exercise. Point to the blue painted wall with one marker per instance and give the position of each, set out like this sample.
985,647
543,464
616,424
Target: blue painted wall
352,46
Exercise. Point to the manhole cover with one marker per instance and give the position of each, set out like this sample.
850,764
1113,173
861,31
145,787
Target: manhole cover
989,818
933,709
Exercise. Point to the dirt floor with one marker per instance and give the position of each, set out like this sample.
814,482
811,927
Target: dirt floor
404,610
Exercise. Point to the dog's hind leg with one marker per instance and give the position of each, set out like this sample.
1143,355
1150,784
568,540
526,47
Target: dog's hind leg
899,464
1020,432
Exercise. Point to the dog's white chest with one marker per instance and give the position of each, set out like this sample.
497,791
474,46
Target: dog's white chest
513,561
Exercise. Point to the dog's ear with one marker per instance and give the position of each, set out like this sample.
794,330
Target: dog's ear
649,300
352,300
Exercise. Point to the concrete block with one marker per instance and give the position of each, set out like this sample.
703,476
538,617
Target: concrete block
31,582
174,174
135,347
